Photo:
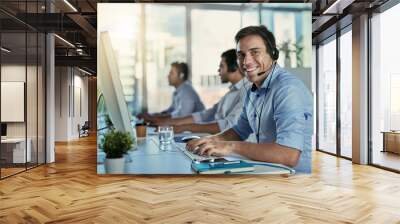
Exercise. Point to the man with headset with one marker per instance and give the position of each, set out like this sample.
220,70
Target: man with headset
278,109
185,99
223,114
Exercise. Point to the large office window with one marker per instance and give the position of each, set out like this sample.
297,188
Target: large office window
22,93
346,93
329,112
292,35
327,96
220,27
165,43
123,28
250,15
146,40
385,84
13,84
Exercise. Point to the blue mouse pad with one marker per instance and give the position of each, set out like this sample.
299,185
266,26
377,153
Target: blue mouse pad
178,139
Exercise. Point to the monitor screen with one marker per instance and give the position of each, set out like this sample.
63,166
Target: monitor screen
3,129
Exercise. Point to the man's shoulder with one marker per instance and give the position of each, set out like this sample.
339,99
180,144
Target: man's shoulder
186,86
288,79
187,89
287,82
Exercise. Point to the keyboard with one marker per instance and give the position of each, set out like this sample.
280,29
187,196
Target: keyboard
195,157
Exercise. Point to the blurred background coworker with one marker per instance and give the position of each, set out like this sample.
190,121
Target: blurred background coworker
225,113
185,99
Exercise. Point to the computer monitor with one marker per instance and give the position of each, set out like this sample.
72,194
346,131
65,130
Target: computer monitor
111,86
3,129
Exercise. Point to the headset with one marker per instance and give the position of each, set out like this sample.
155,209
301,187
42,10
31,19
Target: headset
181,75
182,68
231,65
273,51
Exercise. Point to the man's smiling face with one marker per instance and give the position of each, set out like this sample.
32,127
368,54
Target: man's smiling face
253,58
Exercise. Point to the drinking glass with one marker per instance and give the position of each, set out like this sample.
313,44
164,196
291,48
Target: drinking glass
165,136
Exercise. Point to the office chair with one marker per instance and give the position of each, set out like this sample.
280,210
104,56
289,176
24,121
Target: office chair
84,130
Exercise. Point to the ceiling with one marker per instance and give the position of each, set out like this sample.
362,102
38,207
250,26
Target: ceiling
331,15
77,24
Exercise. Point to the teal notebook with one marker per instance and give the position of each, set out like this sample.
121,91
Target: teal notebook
227,167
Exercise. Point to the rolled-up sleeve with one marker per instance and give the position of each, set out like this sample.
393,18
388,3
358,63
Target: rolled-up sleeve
291,115
205,115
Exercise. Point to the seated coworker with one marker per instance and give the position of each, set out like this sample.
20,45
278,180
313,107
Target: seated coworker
225,113
278,109
185,100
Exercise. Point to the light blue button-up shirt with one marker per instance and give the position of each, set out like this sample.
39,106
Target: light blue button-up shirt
185,101
286,108
227,110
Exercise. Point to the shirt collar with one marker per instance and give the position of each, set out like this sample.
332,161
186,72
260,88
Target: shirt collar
272,76
182,86
238,85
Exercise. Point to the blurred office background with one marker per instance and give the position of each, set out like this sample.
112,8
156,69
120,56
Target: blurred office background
147,38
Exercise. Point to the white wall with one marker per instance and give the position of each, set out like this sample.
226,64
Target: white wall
33,126
62,98
80,100
71,94
12,73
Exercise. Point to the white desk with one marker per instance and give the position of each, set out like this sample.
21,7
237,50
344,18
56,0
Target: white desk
148,159
18,150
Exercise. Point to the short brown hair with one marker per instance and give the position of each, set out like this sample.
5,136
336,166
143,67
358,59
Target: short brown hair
183,68
264,33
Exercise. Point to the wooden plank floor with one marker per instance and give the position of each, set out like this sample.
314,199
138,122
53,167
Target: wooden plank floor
10,171
387,159
70,191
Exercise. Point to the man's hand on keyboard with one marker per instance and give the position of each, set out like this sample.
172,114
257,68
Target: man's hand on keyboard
211,146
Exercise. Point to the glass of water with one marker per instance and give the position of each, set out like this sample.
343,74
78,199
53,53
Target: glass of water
166,137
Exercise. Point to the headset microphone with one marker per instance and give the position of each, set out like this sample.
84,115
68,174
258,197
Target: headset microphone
262,73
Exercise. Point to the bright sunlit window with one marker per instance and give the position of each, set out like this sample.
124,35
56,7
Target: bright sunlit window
327,96
346,94
385,79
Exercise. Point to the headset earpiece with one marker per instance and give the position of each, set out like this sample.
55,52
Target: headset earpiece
181,75
275,54
232,67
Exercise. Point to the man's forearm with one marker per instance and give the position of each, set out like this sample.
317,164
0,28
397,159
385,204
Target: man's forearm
228,135
159,119
161,116
268,152
211,128
180,120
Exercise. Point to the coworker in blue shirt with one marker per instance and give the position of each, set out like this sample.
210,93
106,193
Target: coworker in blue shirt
226,111
278,109
185,100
